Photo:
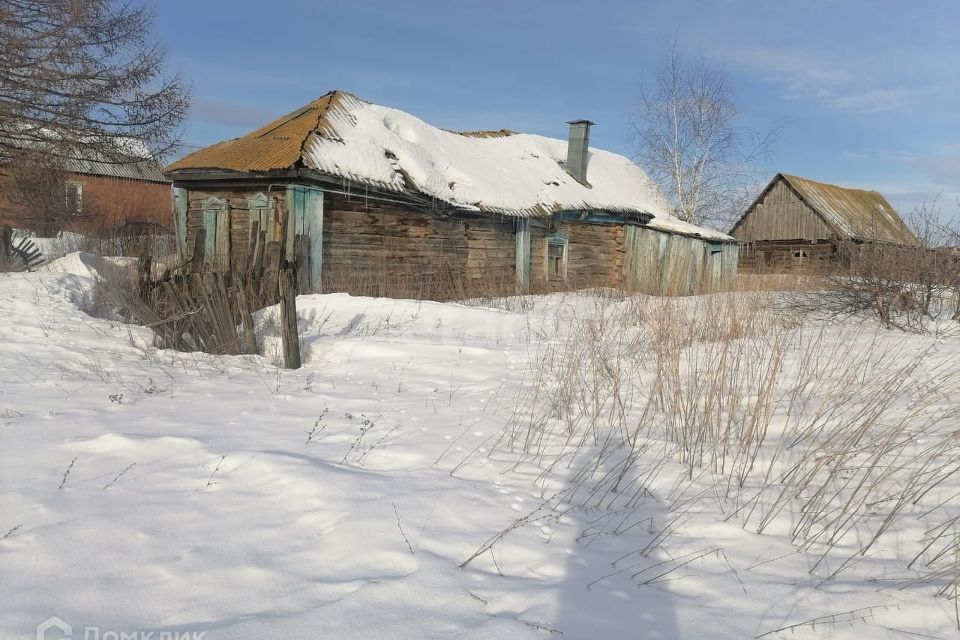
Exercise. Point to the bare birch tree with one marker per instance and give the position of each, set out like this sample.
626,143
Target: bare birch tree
688,141
81,80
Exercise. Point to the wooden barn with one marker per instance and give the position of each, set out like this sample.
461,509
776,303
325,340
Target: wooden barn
371,200
797,223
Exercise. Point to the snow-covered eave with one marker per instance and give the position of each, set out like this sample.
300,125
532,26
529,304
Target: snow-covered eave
348,181
679,227
539,211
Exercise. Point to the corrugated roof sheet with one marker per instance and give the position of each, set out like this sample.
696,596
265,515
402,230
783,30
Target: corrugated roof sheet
853,213
496,133
137,170
278,145
131,159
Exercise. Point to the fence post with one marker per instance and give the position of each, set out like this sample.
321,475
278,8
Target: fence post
288,321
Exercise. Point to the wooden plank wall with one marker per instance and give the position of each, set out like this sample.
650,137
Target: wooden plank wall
667,264
491,255
781,215
383,249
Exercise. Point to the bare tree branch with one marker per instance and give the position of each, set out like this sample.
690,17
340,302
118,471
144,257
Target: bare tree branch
687,138
80,81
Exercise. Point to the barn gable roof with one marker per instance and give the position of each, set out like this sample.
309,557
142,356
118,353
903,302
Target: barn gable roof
342,136
851,214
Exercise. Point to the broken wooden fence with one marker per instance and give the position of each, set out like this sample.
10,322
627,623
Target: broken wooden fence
199,309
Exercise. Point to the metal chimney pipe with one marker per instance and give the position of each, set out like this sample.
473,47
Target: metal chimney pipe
578,149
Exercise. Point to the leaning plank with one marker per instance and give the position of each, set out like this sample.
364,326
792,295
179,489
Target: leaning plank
196,258
248,337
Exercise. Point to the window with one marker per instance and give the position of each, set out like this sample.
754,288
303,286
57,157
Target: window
557,256
260,206
73,198
799,256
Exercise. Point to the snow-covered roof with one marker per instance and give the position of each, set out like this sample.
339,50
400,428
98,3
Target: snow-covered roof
132,159
671,224
501,171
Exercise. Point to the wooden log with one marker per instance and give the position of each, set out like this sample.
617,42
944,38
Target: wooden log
259,246
288,321
143,274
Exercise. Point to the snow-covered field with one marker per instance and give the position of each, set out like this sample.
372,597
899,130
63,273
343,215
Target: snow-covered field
442,470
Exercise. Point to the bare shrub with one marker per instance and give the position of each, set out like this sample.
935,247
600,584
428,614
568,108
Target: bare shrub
898,285
841,428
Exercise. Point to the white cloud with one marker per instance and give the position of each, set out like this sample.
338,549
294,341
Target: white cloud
814,77
871,100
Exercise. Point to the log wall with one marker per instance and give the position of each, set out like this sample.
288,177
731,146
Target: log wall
778,256
231,243
595,255
378,248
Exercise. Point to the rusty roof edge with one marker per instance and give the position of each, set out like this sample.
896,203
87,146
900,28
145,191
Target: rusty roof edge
333,97
415,197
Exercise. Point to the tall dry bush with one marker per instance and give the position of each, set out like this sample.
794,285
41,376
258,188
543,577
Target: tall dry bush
829,434
903,287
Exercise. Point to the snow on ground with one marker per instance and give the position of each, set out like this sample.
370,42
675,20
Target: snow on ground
58,246
157,491
92,266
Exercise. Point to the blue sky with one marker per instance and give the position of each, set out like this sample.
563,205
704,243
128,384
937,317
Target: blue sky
869,90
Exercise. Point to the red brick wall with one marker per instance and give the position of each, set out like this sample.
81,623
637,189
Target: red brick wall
109,201
106,203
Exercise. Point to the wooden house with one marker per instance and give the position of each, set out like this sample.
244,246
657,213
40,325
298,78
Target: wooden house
372,200
799,223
